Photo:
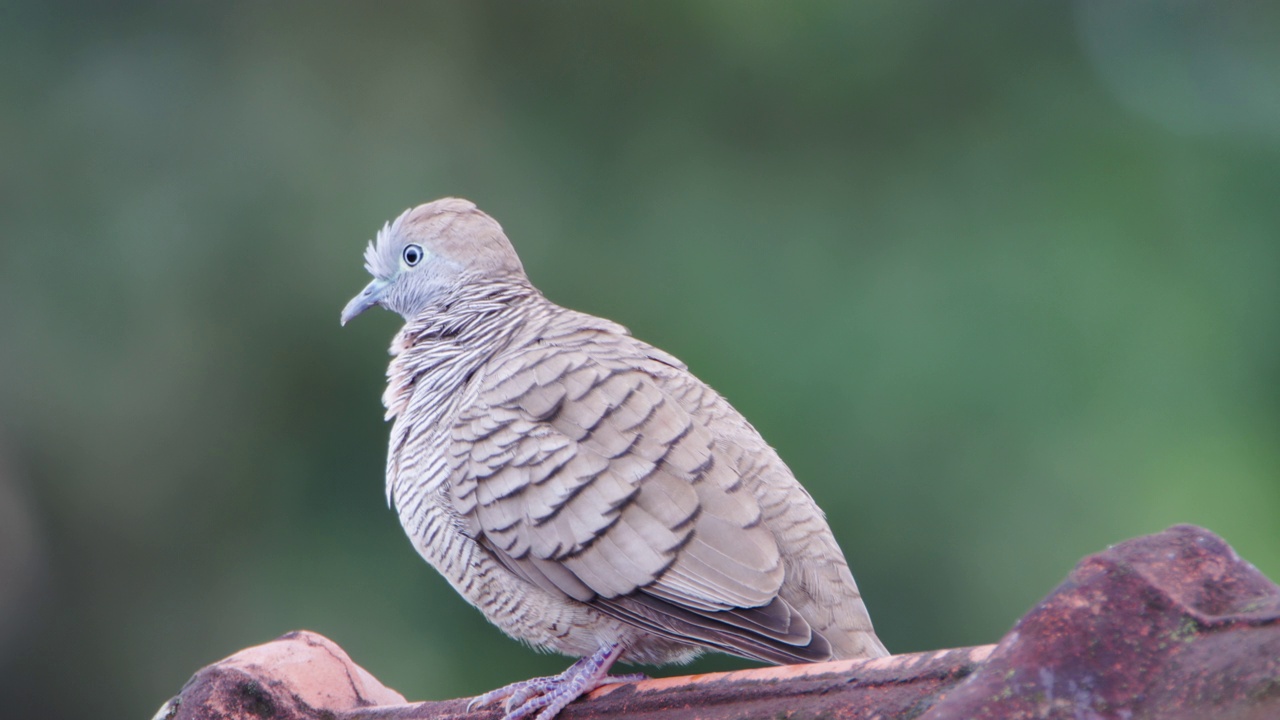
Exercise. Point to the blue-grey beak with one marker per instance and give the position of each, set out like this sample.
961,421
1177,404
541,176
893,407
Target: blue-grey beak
371,295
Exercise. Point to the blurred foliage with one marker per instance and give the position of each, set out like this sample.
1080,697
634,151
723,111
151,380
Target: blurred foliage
1001,281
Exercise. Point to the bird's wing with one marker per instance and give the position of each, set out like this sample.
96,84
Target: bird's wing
585,476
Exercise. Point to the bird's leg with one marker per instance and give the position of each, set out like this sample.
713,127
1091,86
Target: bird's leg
550,694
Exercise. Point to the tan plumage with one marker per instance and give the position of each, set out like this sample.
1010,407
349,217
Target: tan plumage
581,487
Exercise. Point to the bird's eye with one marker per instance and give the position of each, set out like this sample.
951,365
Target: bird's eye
412,255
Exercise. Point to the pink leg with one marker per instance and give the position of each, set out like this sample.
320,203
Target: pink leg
550,694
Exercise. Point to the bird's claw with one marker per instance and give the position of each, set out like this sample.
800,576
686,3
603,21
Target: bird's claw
548,695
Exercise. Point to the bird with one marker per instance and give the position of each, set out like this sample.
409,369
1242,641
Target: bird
582,488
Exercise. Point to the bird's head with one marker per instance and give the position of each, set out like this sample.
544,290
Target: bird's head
428,251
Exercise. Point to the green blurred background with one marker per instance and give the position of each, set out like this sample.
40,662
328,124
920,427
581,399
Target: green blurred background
1001,282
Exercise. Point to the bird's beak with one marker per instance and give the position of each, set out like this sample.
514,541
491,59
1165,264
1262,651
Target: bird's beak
371,295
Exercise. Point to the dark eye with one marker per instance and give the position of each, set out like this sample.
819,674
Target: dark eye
412,255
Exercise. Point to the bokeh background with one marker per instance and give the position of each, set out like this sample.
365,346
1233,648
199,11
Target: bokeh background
1001,281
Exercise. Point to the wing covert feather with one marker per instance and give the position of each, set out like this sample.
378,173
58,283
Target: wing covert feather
590,478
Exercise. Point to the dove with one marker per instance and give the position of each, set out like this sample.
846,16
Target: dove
581,487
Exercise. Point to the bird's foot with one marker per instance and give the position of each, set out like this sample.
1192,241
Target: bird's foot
548,695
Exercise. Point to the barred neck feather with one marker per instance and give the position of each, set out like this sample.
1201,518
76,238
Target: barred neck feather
452,337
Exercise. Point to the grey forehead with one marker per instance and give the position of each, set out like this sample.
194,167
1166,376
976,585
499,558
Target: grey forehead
381,257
